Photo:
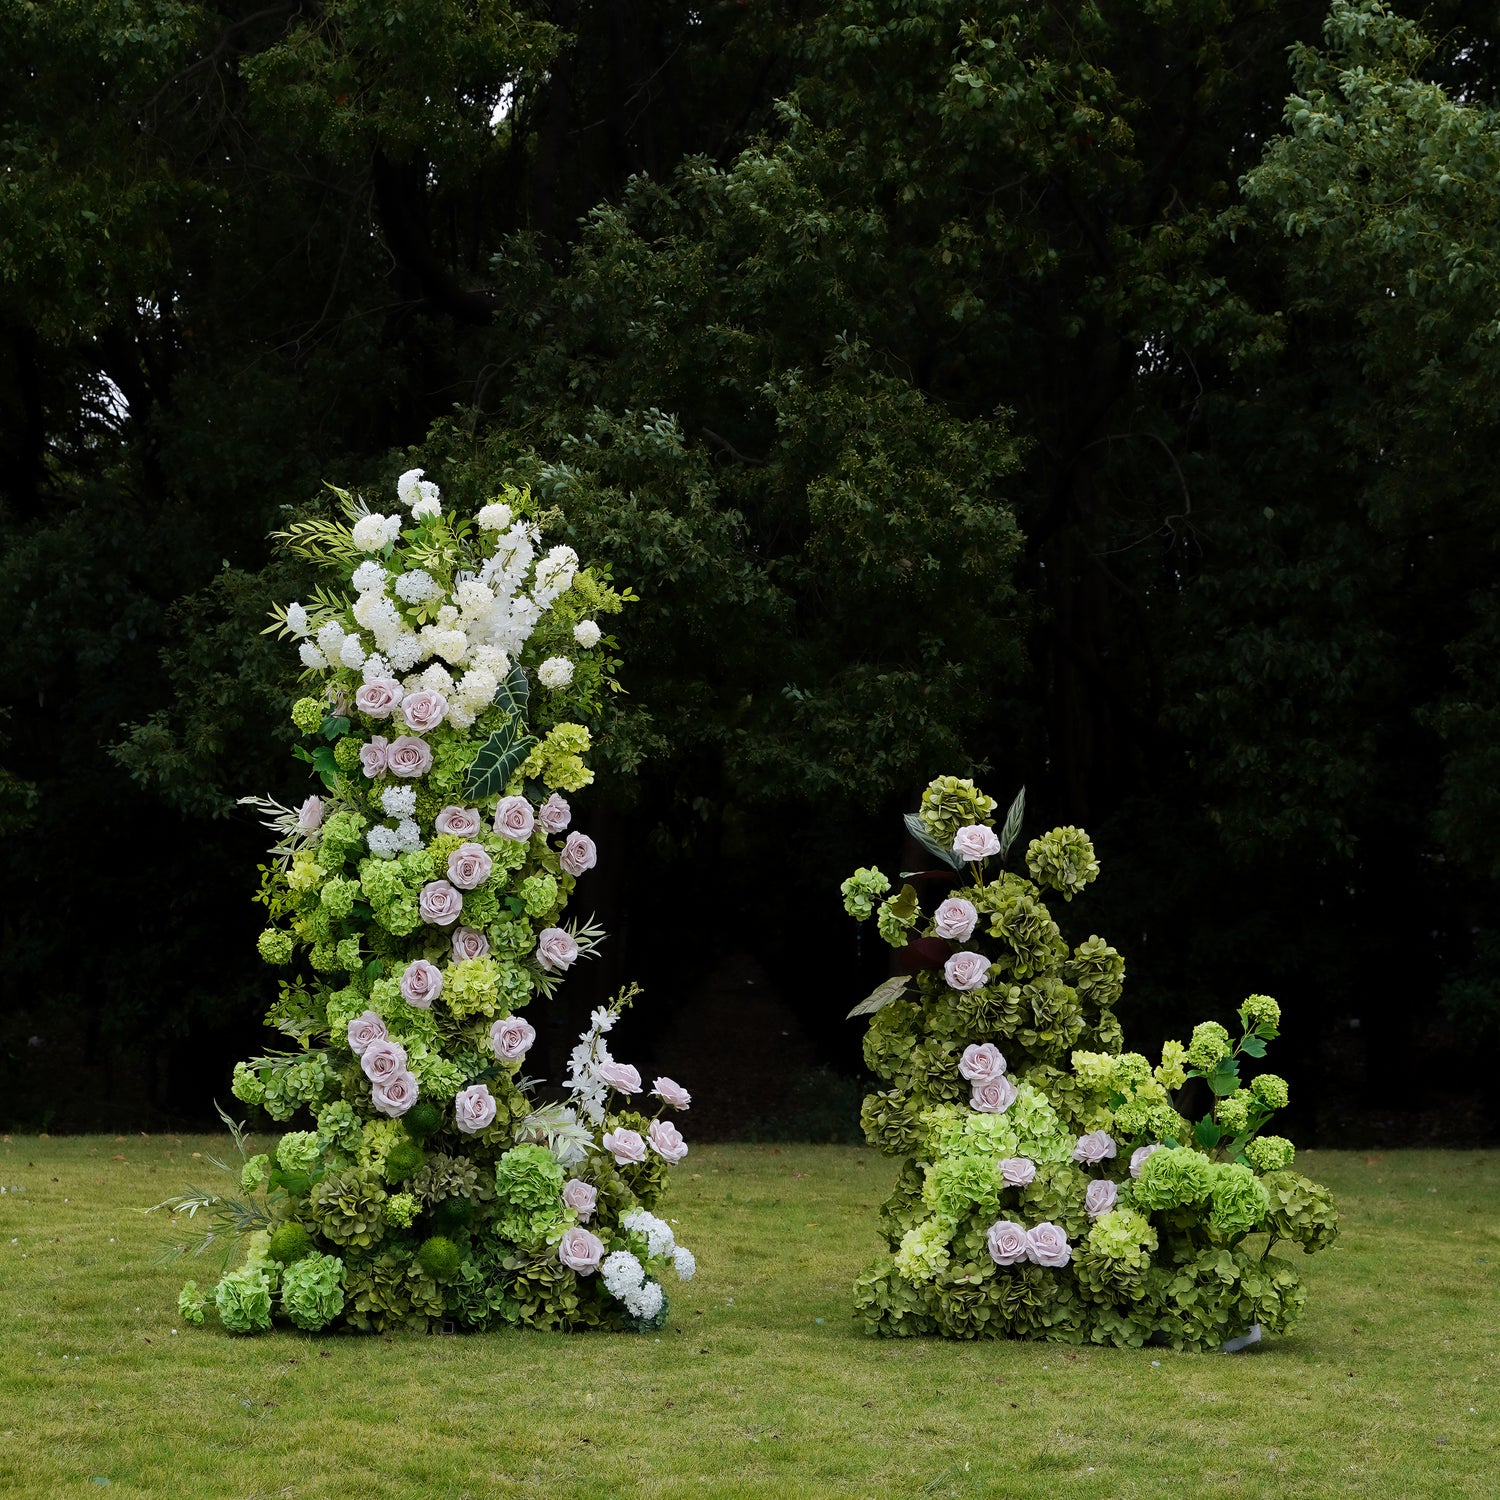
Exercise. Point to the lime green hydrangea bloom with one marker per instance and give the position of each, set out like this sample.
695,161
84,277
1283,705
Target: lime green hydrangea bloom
951,803
298,1151
538,895
1233,1112
342,836
312,1291
472,988
1063,860
338,897
246,1085
1270,1153
1238,1200
956,1186
528,1185
346,754
401,1210
1173,1178
438,1078
924,1251
1209,1046
254,1172
1270,1089
192,1304
861,891
276,945
1172,1071
1262,1015
1094,1070
307,715
304,875
243,1301
1123,1235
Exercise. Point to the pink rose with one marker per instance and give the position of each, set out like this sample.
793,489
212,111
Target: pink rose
408,757
626,1146
1007,1242
468,943
424,711
511,1038
554,814
993,1097
461,822
395,1096
379,697
514,819
374,758
555,950
956,919
1139,1156
1100,1197
469,865
581,1197
1018,1171
310,815
579,854
981,1063
473,1108
383,1060
966,971
421,984
671,1093
975,842
1047,1245
580,1251
365,1030
620,1076
1093,1148
667,1141
439,904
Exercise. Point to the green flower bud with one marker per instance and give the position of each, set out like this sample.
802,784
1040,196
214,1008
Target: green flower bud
307,715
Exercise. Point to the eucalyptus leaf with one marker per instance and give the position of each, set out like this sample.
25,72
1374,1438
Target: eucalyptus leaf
1012,828
918,830
881,996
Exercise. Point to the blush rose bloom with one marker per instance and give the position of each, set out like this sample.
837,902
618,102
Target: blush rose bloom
1007,1242
581,1197
1093,1148
626,1146
994,1097
383,1060
366,1030
374,757
580,1251
396,1095
667,1141
421,984
379,697
554,814
966,971
1047,1245
469,943
310,815
439,904
620,1076
579,854
1018,1171
1139,1157
1100,1197
473,1108
981,1062
975,842
469,866
671,1093
408,757
555,950
514,819
511,1038
461,822
424,710
956,919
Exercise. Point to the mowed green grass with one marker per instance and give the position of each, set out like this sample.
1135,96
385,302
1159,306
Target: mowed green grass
759,1385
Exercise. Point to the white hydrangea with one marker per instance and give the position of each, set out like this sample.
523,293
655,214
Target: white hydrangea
311,656
385,843
368,577
405,651
587,634
399,801
659,1237
473,598
408,835
377,614
409,487
373,531
555,673
447,618
296,619
376,666
490,659
429,504
352,652
557,569
476,689
330,637
494,517
416,586
436,680
645,1301
460,717
621,1272
451,645
687,1266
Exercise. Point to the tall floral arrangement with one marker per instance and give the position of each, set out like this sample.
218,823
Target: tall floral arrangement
416,904
1051,1185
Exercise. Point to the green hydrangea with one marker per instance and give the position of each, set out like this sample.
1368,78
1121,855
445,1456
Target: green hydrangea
401,1210
528,1192
924,1251
1063,860
307,715
243,1301
192,1304
254,1172
1094,1070
1209,1046
438,1077
338,897
1262,1015
472,988
1174,1178
339,1126
305,876
1172,1071
957,1186
1039,1133
1123,1235
950,803
312,1291
1270,1153
246,1085
538,894
349,1208
1270,1090
346,754
276,945
1301,1211
298,1151
1029,939
1233,1112
1238,1200
342,836
862,890
894,922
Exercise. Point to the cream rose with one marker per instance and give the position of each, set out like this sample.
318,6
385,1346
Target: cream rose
1047,1245
981,1062
581,1197
626,1146
469,866
379,697
554,814
671,1093
993,1097
424,711
461,822
1007,1242
966,971
473,1108
580,1251
364,1031
421,983
396,1095
469,943
555,950
955,919
578,854
439,904
1018,1171
1100,1197
409,757
511,1038
514,819
667,1141
975,842
383,1060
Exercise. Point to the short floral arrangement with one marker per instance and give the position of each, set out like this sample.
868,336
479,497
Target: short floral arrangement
1050,1185
425,887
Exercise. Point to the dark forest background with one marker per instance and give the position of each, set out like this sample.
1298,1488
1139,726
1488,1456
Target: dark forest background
1101,397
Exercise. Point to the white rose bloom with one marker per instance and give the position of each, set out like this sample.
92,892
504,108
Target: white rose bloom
352,652
330,637
428,504
368,576
556,672
399,801
408,835
384,842
495,517
296,619
687,1266
409,487
587,634
416,586
371,532
405,651
311,656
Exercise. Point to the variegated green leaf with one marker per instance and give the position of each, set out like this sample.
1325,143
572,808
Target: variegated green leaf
499,759
918,830
878,999
1013,818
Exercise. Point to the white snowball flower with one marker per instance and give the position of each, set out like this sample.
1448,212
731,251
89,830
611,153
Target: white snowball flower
436,680
384,843
659,1237
352,652
587,634
621,1272
428,504
405,651
330,637
494,517
451,645
377,614
476,689
460,717
556,672
372,532
416,586
369,576
556,569
490,659
687,1266
408,835
311,656
376,666
409,487
447,618
399,801
645,1302
473,598
296,619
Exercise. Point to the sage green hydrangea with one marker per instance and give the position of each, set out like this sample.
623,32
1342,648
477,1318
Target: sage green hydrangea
254,1172
1270,1153
861,891
950,803
1063,860
243,1301
298,1151
245,1084
1300,1211
924,1250
192,1305
528,1190
957,1186
339,1127
349,1208
312,1291
1209,1046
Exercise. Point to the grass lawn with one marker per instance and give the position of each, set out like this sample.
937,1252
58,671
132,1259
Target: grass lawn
758,1385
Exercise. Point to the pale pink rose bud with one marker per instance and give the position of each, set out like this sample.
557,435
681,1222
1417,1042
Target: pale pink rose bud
671,1093
975,842
439,904
379,697
1100,1197
554,814
364,1031
310,815
421,984
667,1141
578,854
581,1197
383,1060
408,757
374,757
555,950
514,819
473,1108
966,971
1093,1148
620,1076
580,1251
994,1097
511,1038
981,1062
469,943
1047,1245
424,711
461,822
1139,1156
395,1096
1018,1171
626,1146
1007,1242
956,919
469,866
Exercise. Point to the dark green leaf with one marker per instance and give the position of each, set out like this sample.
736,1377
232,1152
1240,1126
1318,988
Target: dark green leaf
1207,1134
881,996
1012,827
334,726
918,830
1252,1046
499,758
1225,1078
326,766
514,694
